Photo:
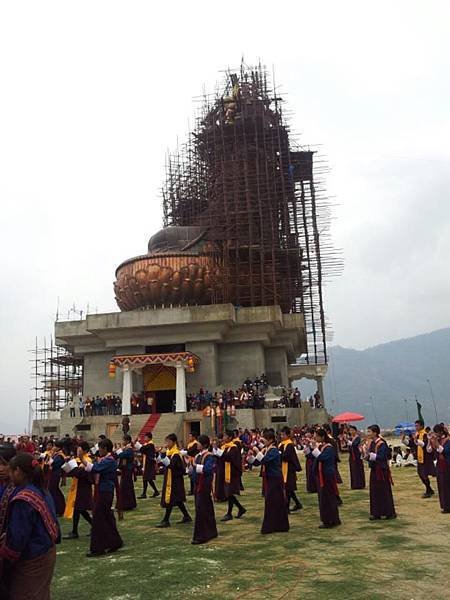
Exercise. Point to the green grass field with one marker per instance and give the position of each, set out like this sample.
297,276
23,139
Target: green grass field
404,559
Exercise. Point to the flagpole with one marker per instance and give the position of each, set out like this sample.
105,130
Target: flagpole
433,400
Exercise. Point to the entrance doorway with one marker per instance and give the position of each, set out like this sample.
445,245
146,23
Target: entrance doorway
165,401
195,427
160,384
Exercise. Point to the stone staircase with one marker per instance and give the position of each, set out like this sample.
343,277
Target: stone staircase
160,425
167,423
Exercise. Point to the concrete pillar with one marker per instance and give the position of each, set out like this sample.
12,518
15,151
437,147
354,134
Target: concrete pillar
126,390
319,381
180,393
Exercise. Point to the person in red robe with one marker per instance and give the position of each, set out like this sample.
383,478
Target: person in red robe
173,492
232,460
290,466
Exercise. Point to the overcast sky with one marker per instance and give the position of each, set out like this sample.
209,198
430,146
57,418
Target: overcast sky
94,92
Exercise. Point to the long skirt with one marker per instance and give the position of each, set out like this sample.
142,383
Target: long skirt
205,520
381,499
219,482
443,482
357,475
127,495
328,503
58,499
31,579
104,534
311,486
275,507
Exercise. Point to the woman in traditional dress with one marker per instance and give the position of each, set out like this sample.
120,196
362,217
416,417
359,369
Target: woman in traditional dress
325,473
275,504
290,466
231,483
55,464
104,535
381,499
203,470
32,531
192,449
148,452
173,493
125,457
440,443
356,464
79,499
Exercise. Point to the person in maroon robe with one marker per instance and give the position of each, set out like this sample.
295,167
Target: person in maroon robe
425,460
326,483
148,452
275,504
439,442
125,457
173,492
355,462
81,504
203,470
290,466
219,479
311,487
55,464
231,474
105,537
378,455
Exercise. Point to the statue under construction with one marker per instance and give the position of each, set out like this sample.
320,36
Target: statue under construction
231,287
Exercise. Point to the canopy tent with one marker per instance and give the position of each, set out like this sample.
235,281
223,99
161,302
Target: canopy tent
348,417
405,428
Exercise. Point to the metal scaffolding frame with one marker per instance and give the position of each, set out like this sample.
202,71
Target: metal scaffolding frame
241,175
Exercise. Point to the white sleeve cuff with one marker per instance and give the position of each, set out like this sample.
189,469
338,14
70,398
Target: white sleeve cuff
119,451
199,468
66,468
259,456
88,467
316,452
251,459
306,450
219,451
372,456
183,452
260,445
138,446
440,449
166,461
93,450
420,443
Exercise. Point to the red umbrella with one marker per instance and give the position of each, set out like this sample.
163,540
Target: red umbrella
347,417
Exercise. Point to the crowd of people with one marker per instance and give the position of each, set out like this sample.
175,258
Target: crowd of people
251,394
33,470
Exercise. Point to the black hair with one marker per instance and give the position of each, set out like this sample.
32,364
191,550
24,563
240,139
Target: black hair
204,441
29,467
127,438
84,446
420,422
106,444
172,437
375,428
59,444
235,432
269,434
149,435
7,452
323,433
353,427
286,430
440,429
229,433
102,437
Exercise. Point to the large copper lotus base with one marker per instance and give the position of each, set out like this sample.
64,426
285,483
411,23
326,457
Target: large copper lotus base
167,279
